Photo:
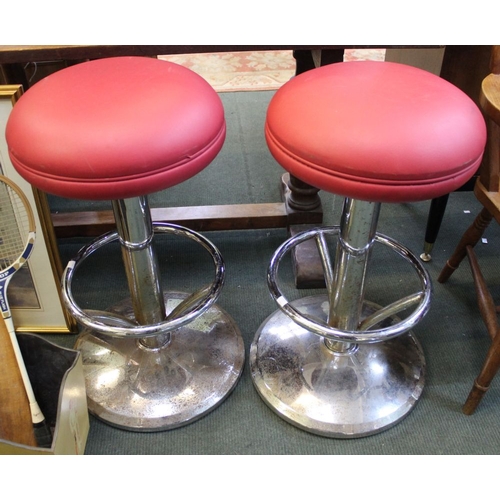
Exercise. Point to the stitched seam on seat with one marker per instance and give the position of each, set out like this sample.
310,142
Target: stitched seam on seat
371,180
103,180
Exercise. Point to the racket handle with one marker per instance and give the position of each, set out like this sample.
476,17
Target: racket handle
16,424
43,435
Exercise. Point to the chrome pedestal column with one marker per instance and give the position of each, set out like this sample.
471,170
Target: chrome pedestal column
337,365
158,360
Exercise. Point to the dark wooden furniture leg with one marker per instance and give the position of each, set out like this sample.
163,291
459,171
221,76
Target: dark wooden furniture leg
485,302
489,314
434,219
301,198
476,58
469,238
487,192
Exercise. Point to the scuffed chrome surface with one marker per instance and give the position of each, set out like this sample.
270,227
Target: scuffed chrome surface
363,391
420,301
337,365
133,387
205,298
134,226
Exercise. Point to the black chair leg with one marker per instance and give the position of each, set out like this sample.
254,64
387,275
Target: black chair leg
436,213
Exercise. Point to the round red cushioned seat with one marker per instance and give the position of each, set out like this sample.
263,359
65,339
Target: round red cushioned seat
115,128
376,131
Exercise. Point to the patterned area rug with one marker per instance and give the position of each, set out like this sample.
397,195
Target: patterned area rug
255,70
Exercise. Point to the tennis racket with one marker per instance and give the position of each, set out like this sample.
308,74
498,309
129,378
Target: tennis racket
17,237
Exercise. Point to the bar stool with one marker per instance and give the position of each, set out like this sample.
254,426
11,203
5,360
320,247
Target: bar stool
119,129
337,364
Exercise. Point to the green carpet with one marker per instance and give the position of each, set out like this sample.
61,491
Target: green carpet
452,334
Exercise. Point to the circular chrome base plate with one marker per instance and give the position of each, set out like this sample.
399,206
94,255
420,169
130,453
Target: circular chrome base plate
340,395
140,389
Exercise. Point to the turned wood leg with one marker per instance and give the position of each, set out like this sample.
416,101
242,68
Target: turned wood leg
304,210
469,238
489,314
485,300
303,203
298,195
482,382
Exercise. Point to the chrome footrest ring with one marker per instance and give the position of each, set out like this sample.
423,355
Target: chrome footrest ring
366,333
192,307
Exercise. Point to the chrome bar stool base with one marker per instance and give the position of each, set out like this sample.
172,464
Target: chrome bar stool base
339,366
363,391
137,388
156,375
157,367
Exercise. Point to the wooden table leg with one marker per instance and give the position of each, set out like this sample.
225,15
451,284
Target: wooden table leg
304,211
301,199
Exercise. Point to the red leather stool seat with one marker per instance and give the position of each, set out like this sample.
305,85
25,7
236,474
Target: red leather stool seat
119,129
340,365
115,128
376,131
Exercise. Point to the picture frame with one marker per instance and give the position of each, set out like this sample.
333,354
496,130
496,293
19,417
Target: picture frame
35,296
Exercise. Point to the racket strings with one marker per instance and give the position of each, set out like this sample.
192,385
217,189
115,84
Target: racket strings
14,226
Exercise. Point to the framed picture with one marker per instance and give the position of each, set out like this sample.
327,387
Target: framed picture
34,292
